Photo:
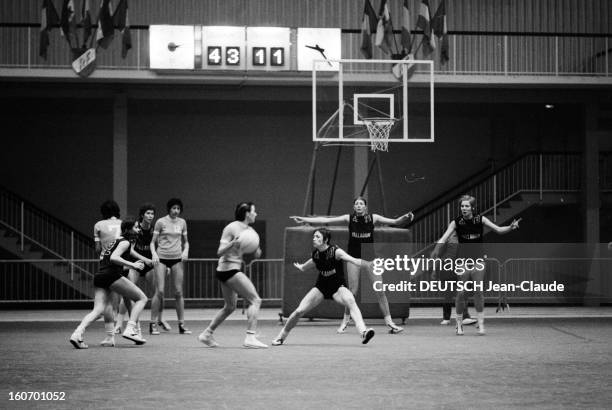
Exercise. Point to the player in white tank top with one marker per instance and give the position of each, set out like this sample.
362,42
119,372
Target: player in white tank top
233,281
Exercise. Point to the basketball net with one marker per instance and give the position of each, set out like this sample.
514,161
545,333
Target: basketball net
379,133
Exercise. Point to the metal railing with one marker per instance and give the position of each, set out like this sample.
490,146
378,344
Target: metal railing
46,280
32,225
501,54
535,173
582,278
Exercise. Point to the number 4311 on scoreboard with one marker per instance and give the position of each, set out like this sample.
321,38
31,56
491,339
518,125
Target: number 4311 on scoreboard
245,48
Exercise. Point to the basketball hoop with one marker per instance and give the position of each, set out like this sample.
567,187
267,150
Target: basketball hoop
379,128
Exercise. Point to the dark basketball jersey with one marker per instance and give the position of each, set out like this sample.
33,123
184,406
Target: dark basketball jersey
327,264
361,230
106,266
469,234
142,245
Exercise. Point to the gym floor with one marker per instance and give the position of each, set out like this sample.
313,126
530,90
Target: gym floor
531,357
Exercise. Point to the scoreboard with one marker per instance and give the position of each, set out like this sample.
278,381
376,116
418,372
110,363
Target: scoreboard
241,48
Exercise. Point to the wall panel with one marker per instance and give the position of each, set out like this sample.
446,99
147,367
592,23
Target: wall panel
573,16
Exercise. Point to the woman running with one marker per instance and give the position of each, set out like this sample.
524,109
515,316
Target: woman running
233,281
469,228
361,230
110,279
169,248
330,284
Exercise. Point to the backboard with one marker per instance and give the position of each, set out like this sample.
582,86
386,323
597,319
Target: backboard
343,101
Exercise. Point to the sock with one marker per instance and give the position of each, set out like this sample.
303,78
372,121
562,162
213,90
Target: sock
388,320
109,328
480,316
347,317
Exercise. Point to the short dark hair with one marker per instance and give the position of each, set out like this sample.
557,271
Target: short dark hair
109,208
144,208
326,233
172,202
126,226
241,210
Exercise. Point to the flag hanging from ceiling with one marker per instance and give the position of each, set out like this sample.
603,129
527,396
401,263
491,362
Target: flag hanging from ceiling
424,23
68,24
86,22
106,30
384,29
368,26
406,36
438,24
48,20
121,21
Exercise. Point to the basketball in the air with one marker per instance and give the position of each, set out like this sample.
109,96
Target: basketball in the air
249,241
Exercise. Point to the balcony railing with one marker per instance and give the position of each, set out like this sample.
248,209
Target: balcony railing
505,54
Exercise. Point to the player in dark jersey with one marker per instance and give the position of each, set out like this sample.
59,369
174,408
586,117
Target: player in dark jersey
361,230
469,228
330,284
450,251
141,250
110,279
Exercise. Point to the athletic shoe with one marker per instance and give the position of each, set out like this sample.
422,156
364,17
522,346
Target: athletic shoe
394,329
345,323
109,341
278,341
481,330
77,340
251,342
183,330
208,339
164,325
367,335
445,322
469,321
131,333
153,329
459,329
117,330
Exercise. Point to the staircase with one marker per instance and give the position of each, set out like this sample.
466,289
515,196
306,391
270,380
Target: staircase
46,245
76,274
501,195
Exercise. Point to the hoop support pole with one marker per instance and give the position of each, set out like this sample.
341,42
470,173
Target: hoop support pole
311,180
333,186
380,183
365,183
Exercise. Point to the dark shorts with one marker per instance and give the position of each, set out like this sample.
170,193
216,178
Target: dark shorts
105,279
223,276
143,272
330,285
170,262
